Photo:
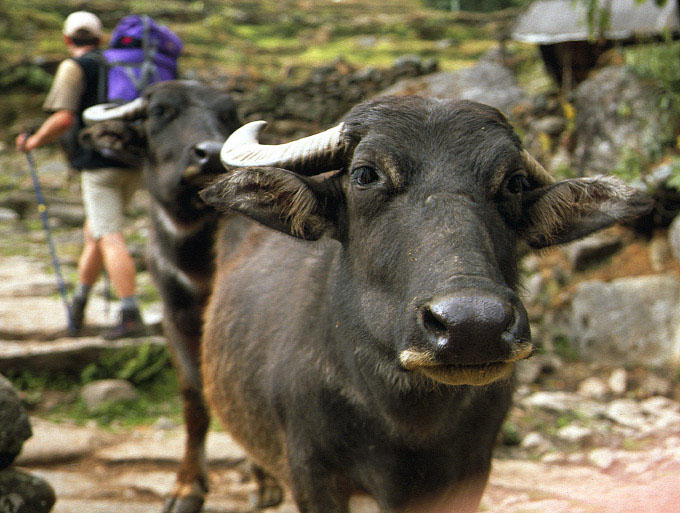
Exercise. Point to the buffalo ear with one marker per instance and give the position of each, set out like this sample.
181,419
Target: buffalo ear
304,207
115,138
570,209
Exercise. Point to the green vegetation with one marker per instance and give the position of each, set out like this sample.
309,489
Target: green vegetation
158,398
147,367
564,348
660,64
510,433
274,40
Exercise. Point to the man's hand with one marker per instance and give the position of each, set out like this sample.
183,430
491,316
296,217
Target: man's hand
24,142
50,130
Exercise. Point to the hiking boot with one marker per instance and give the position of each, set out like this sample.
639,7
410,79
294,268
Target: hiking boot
131,325
78,312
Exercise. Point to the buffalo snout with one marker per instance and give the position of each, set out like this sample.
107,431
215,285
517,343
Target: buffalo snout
206,154
469,336
204,163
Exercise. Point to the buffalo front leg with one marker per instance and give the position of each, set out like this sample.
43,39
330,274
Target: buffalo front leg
192,479
269,493
315,490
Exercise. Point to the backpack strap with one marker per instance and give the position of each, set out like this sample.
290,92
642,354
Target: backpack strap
103,78
148,68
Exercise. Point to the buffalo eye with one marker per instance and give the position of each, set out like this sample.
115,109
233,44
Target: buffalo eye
517,184
161,111
365,175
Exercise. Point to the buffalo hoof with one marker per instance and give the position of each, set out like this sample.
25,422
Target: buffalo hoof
267,496
187,504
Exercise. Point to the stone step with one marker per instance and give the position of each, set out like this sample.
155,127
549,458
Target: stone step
168,447
71,354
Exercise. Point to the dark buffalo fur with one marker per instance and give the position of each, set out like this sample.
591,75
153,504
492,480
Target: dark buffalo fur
378,359
178,138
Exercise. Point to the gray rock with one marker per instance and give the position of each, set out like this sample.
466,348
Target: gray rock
657,405
103,506
23,277
64,353
659,252
21,492
591,250
575,434
602,458
54,443
536,442
98,393
532,288
68,484
15,427
7,214
558,402
70,215
486,82
528,371
617,112
627,413
618,381
551,125
654,386
593,388
628,321
163,447
674,237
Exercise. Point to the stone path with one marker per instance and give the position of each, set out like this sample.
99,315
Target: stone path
97,470
94,470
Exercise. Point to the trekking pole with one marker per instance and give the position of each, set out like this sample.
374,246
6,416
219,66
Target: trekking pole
42,209
107,294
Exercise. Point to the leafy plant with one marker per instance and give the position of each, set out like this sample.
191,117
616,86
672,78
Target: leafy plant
564,349
631,165
138,365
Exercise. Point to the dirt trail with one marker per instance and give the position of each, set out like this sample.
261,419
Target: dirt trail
131,471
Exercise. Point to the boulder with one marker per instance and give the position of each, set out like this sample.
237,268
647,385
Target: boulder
674,237
23,493
487,82
591,250
15,427
103,391
629,321
617,115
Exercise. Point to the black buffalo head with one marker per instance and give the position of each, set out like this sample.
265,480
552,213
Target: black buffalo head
429,201
176,129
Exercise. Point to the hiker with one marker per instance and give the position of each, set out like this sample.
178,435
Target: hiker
107,185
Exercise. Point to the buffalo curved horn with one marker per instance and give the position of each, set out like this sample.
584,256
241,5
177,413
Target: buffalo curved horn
536,170
314,154
107,111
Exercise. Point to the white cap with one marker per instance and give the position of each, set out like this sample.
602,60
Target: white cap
82,20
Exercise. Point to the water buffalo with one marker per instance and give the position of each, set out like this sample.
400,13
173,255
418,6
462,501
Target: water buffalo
361,338
176,129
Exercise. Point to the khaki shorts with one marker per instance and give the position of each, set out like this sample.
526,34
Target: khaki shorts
106,194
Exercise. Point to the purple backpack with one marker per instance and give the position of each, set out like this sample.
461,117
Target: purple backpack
141,52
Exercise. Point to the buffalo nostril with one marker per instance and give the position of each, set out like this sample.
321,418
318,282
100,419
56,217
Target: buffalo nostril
206,155
433,324
471,327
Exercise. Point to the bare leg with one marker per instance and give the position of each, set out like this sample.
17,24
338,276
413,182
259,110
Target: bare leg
91,261
118,263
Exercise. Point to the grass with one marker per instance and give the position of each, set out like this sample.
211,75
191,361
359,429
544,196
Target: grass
157,399
262,37
147,367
